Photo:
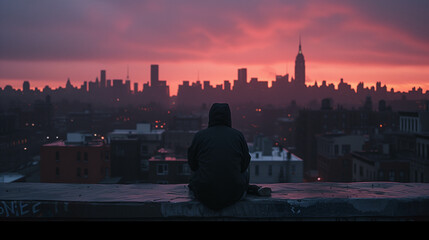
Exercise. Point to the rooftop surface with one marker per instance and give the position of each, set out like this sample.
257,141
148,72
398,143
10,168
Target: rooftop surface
289,202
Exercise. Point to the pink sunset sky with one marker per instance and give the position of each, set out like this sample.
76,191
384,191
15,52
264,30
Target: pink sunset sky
48,41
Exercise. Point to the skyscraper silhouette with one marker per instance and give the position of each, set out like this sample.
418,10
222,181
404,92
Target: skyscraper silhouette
300,67
103,78
154,75
242,76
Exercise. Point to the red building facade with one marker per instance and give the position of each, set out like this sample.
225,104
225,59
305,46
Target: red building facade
74,163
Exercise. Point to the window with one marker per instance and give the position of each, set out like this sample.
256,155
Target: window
392,175
335,149
184,169
57,171
78,172
427,151
292,169
256,170
85,173
144,165
78,156
85,156
57,156
106,155
345,148
162,169
380,175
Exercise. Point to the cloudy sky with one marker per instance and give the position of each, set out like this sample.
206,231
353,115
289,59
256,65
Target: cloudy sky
49,41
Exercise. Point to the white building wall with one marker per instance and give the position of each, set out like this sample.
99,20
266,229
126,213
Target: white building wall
275,168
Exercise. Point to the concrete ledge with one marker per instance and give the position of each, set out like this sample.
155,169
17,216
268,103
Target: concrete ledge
289,201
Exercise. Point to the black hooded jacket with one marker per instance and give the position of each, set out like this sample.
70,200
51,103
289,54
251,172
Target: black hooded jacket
219,157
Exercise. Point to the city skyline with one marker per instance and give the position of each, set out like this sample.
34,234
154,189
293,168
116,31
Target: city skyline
48,42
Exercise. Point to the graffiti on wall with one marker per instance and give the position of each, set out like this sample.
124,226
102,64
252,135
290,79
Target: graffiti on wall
31,208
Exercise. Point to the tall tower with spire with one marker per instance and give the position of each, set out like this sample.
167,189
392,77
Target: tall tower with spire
300,67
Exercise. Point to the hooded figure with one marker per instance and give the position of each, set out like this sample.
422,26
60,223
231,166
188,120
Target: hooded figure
219,158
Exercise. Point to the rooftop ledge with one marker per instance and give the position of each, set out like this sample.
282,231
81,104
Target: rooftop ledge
153,202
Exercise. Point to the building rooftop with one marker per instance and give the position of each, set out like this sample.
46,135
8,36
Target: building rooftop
276,155
79,139
62,143
289,201
141,128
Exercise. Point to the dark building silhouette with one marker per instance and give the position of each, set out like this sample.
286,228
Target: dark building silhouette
131,150
242,76
154,75
241,81
300,67
168,170
158,92
26,86
103,78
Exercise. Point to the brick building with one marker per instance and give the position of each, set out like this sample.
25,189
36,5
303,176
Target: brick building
79,159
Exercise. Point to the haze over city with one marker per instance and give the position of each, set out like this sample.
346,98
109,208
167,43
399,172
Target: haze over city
47,42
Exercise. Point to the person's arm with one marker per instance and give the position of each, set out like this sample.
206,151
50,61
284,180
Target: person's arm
192,152
246,155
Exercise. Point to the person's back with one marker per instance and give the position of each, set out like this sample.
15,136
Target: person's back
219,157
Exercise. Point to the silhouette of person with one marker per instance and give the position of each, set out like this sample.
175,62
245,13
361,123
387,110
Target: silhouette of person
219,158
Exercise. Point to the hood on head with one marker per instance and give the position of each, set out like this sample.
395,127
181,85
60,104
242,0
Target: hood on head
220,114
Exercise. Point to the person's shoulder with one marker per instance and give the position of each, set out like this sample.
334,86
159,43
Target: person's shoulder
236,131
201,132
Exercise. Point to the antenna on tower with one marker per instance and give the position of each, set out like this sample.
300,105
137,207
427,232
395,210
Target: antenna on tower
128,72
